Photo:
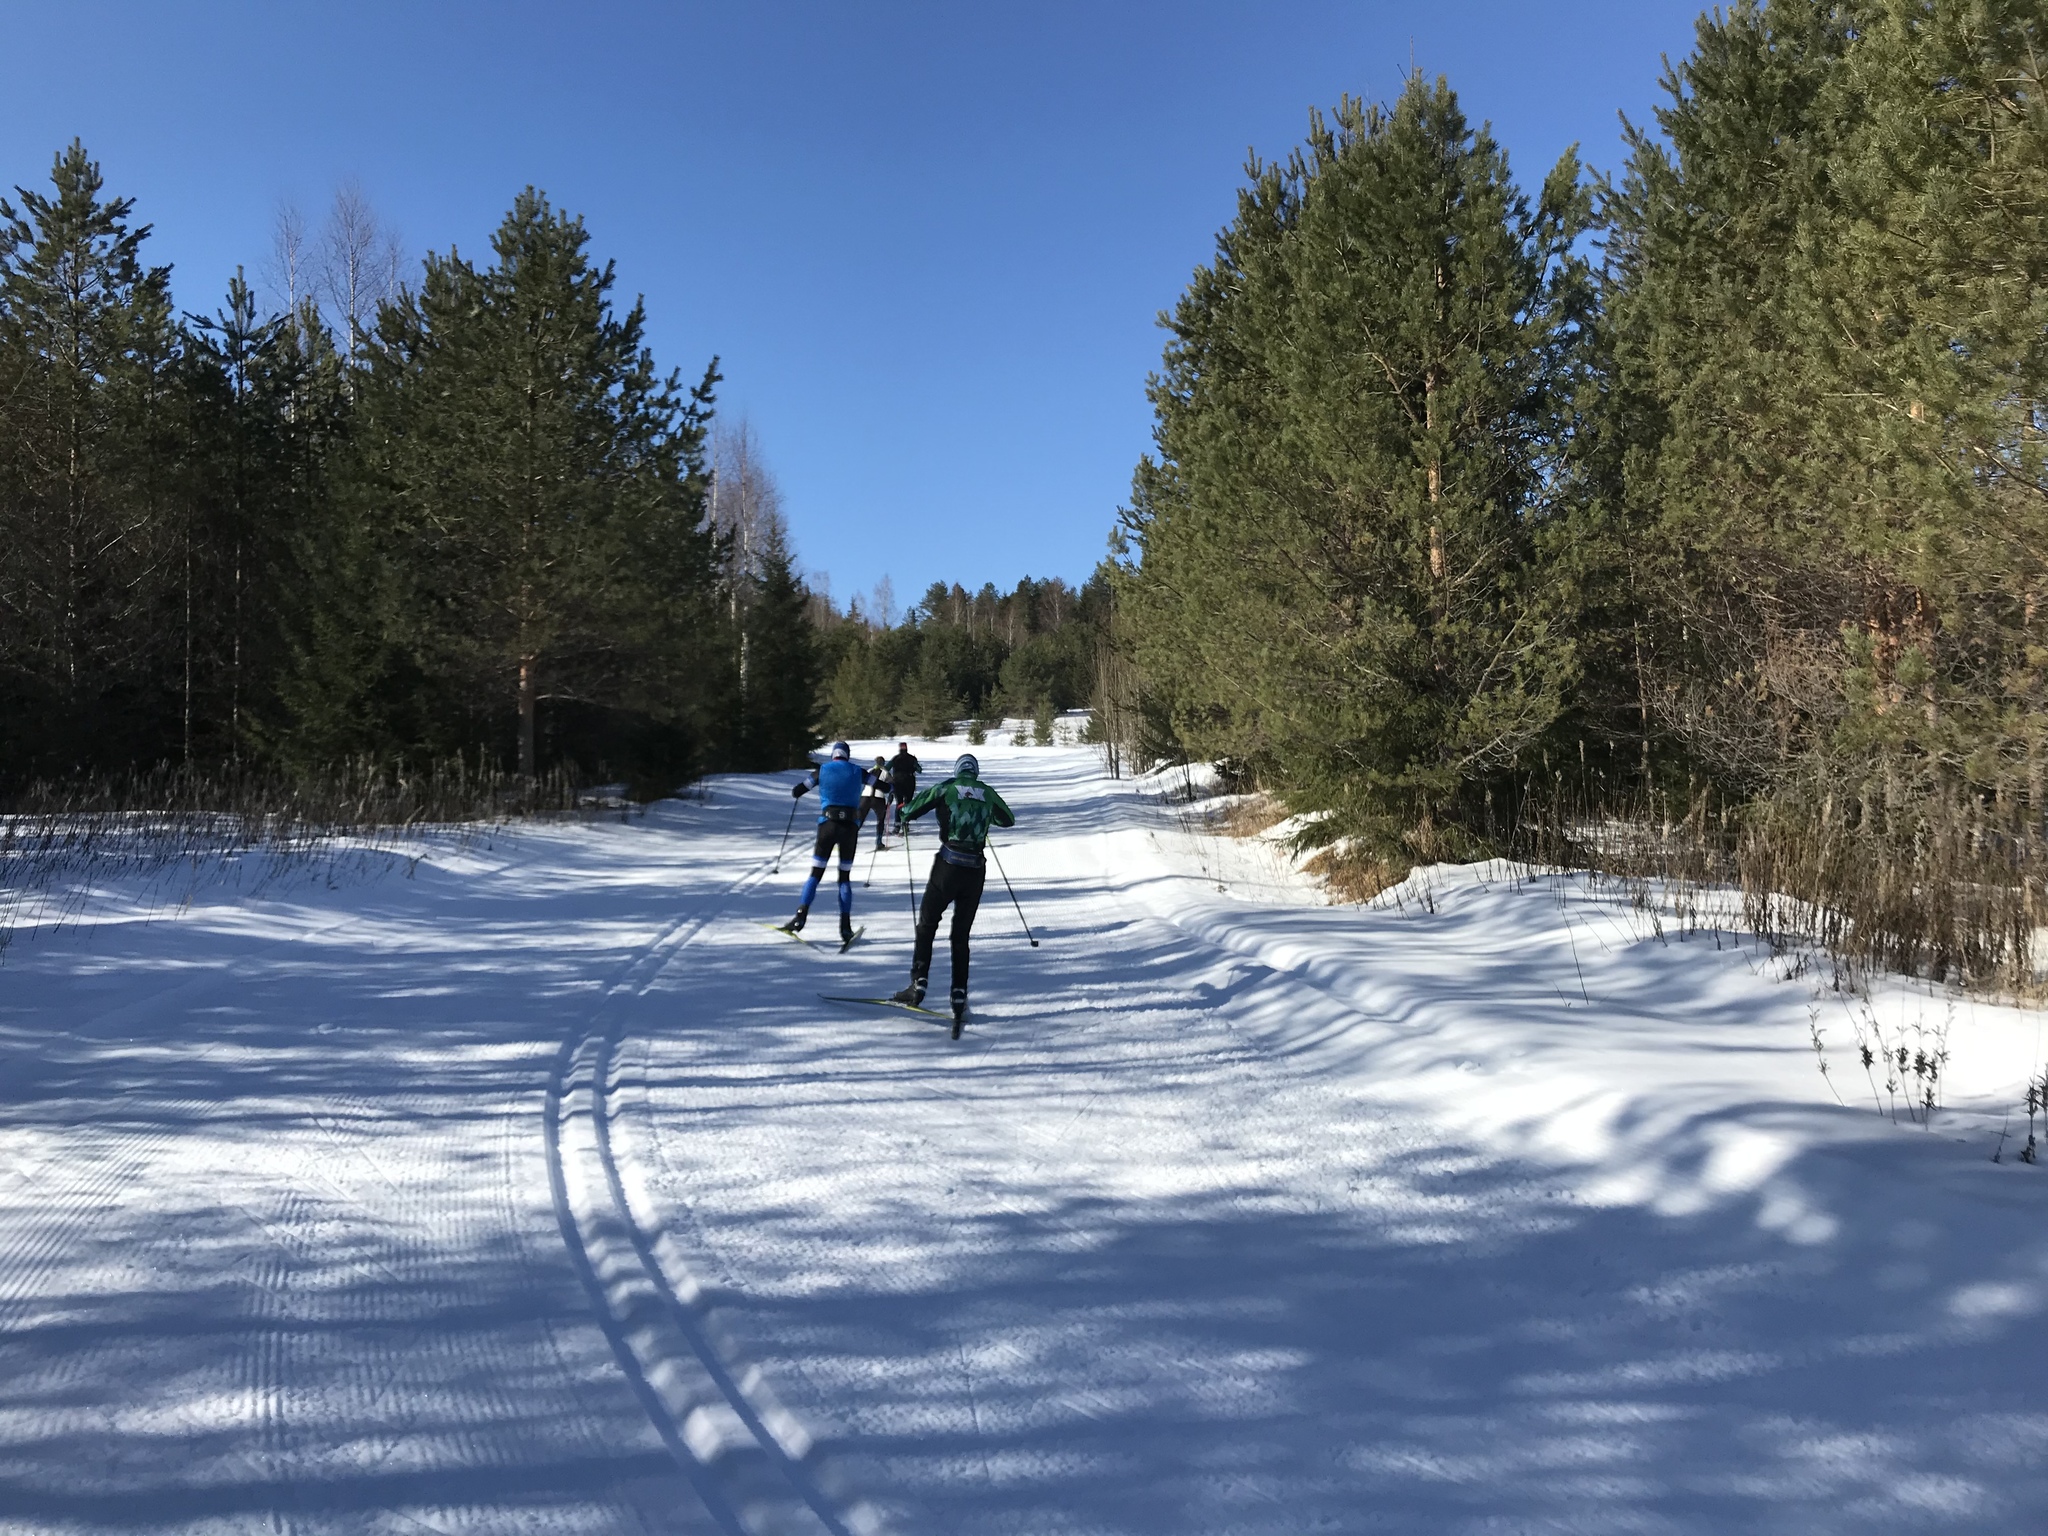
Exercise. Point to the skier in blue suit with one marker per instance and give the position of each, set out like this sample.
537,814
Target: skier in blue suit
839,784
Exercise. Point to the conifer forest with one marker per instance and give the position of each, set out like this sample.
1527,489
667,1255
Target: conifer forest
1690,513
1690,517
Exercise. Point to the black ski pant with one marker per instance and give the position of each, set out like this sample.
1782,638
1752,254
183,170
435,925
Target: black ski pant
880,807
958,886
838,829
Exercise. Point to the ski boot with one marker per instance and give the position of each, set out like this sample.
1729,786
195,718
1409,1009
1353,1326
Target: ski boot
911,996
959,1010
796,924
845,931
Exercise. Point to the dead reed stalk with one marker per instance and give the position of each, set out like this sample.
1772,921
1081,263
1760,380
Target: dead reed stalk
1949,885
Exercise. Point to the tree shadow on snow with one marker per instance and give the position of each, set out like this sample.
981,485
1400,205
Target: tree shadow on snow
1143,1253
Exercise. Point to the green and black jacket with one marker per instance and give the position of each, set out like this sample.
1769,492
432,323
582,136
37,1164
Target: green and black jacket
967,809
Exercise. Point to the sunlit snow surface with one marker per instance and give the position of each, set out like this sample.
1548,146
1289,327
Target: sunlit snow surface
536,1190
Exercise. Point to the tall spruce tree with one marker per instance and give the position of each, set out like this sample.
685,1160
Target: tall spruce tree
777,725
1714,388
239,524
1828,320
90,443
859,697
1340,568
535,487
1929,318
326,695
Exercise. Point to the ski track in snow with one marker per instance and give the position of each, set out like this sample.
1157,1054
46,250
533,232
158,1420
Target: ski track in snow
537,1192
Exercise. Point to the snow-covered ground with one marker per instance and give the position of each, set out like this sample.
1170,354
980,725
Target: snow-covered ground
532,1187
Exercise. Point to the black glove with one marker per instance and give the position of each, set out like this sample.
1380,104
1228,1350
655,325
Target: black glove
798,792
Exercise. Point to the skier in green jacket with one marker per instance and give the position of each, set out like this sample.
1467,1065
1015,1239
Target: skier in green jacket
967,808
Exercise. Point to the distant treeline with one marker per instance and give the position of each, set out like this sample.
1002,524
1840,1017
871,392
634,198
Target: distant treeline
1718,491
456,514
958,655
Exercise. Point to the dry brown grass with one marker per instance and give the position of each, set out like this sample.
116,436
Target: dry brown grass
1355,875
1349,873
1247,816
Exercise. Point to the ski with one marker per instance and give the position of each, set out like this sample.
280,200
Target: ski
818,943
884,1002
807,942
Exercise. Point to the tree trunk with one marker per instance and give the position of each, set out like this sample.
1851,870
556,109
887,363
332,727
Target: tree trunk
746,715
1436,470
527,665
235,696
187,714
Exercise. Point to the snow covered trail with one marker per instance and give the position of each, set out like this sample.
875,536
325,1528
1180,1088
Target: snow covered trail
1251,1215
539,1191
278,1244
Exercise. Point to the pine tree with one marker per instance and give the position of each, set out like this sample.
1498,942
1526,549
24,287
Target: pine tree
330,690
1715,388
1340,568
1828,320
538,487
860,693
239,524
1929,316
929,702
89,449
778,726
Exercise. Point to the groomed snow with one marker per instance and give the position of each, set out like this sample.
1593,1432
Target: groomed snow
531,1187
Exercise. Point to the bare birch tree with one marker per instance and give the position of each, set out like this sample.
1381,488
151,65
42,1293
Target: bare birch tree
746,512
360,264
818,605
287,270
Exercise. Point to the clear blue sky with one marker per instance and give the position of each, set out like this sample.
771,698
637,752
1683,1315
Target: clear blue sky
930,240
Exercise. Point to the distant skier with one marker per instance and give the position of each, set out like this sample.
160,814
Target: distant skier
967,808
876,797
839,786
903,772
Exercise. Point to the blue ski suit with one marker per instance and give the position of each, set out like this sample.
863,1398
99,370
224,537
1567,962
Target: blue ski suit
838,782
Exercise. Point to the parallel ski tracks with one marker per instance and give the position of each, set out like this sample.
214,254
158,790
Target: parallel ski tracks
284,1220
1029,1037
745,1455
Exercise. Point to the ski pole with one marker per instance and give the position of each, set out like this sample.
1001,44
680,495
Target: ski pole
785,838
1013,895
910,873
873,859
